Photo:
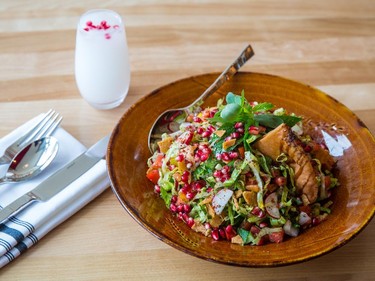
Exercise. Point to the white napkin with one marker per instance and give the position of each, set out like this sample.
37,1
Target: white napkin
27,227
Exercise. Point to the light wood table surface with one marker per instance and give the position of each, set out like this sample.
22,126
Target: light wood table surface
329,44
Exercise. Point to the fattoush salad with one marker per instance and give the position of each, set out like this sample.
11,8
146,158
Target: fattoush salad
244,172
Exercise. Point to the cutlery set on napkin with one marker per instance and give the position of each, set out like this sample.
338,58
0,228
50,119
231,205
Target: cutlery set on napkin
74,178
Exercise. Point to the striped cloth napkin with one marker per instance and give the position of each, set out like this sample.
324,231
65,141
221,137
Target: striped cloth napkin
26,228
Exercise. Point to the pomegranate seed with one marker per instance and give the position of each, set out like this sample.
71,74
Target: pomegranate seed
280,180
107,36
207,225
198,185
240,130
173,208
190,195
307,148
225,156
86,29
179,208
218,174
233,155
254,229
215,235
200,130
235,135
174,199
238,125
180,158
89,23
256,211
185,217
225,170
189,138
263,224
180,217
190,222
185,189
116,26
211,128
204,157
197,119
253,130
157,188
230,232
262,214
218,156
222,233
185,176
187,208
206,134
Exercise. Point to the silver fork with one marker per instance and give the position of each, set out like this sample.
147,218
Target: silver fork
44,128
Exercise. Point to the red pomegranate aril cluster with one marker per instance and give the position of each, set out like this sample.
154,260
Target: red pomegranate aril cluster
102,26
223,174
227,156
182,212
185,176
189,137
202,153
225,233
205,132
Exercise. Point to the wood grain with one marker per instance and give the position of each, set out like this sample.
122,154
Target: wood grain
328,44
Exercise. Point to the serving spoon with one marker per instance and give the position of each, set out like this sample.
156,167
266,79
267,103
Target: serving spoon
31,160
165,123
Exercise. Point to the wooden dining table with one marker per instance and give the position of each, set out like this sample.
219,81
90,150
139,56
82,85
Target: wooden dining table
328,44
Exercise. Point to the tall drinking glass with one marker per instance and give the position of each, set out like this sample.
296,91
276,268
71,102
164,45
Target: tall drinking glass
102,67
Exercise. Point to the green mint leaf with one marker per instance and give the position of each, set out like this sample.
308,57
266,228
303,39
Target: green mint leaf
232,98
290,120
262,107
230,112
268,120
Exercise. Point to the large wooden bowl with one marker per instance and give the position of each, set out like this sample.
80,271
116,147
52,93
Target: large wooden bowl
353,200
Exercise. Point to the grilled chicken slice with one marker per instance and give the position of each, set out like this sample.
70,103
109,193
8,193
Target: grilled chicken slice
282,140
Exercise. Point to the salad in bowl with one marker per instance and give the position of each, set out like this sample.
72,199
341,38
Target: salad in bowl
243,171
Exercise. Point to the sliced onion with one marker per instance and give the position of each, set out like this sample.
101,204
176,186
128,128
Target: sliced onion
221,199
304,219
289,229
272,207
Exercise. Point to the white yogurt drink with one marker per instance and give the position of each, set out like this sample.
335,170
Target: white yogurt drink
102,67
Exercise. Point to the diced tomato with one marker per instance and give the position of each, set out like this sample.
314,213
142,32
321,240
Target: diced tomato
153,175
158,161
276,237
153,172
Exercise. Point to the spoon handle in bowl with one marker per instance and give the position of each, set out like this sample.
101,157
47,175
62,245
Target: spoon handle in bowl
231,70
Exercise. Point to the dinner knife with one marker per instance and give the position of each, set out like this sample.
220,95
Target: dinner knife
59,180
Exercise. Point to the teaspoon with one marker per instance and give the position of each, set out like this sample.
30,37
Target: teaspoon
31,160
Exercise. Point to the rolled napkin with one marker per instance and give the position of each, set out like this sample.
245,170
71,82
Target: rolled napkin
27,227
